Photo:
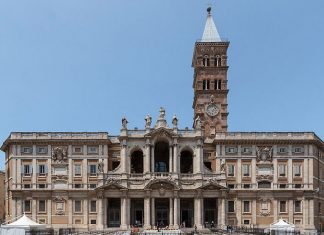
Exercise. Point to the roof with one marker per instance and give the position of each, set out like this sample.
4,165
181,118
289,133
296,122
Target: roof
23,222
210,32
282,224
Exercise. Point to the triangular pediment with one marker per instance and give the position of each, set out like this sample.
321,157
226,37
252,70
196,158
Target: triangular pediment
161,184
212,186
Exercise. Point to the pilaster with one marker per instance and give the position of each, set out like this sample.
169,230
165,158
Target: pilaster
176,212
147,208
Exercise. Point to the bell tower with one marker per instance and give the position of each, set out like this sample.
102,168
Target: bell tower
210,80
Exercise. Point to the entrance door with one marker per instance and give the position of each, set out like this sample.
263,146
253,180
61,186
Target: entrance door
186,212
113,212
162,212
210,212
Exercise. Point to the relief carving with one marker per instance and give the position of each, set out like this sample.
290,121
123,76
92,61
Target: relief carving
59,154
264,154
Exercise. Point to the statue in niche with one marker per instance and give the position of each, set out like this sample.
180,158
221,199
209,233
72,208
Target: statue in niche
148,121
222,166
100,167
198,123
124,123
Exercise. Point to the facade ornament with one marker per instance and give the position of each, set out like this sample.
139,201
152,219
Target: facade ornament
101,167
264,154
124,123
100,194
162,113
59,154
148,121
212,99
222,166
198,123
175,121
265,207
268,178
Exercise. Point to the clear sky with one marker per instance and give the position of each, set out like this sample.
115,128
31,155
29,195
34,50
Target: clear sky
81,65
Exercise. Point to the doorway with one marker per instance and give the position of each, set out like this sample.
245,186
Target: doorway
162,212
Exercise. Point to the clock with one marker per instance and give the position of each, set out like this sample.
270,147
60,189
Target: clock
212,110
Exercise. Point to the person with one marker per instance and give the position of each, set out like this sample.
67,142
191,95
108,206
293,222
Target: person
212,225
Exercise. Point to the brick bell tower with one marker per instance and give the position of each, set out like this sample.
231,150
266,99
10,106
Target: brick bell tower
210,80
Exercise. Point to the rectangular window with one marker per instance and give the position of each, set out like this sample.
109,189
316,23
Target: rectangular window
282,206
93,185
93,206
246,221
282,150
41,169
77,170
297,170
77,150
27,169
231,206
231,150
41,206
246,170
298,150
26,185
230,170
282,170
246,206
42,186
298,208
27,206
26,150
42,221
92,149
93,169
93,221
42,150
77,206
246,150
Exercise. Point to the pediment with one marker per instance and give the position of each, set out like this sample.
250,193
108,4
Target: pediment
111,185
161,184
161,132
212,186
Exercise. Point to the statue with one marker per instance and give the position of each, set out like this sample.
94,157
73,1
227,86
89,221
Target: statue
124,123
222,166
148,121
101,167
162,113
197,123
175,121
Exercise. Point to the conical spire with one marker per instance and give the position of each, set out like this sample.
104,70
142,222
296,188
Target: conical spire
210,32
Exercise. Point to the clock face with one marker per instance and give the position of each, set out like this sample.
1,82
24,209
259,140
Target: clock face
212,110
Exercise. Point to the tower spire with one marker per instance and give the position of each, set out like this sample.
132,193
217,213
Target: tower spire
210,32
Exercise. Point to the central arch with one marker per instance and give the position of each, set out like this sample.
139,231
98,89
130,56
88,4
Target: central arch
161,157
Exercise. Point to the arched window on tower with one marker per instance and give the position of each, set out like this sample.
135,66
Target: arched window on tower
206,61
206,84
218,84
218,61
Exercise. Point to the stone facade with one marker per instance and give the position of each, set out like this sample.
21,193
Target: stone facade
162,175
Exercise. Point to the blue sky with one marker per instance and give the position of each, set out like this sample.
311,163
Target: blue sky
81,65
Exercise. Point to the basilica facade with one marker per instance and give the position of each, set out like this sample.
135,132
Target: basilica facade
161,175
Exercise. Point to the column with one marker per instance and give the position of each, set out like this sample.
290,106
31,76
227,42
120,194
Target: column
85,210
100,213
253,172
152,159
170,159
34,208
198,210
219,211
305,213
310,172
70,183
290,175
85,172
147,215
124,213
175,158
13,173
14,208
275,172
311,213
171,213
34,170
291,211
275,210
305,168
123,160
239,172
254,212
18,174
176,212
106,162
70,211
147,157
239,212
49,211
223,211
153,211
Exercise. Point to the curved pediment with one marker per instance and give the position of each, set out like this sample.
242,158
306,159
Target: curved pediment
112,185
161,132
161,184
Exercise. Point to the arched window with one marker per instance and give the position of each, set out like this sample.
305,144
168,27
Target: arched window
218,61
186,162
161,157
137,162
206,61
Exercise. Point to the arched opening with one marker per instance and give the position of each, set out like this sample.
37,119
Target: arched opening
186,162
137,162
161,155
206,61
